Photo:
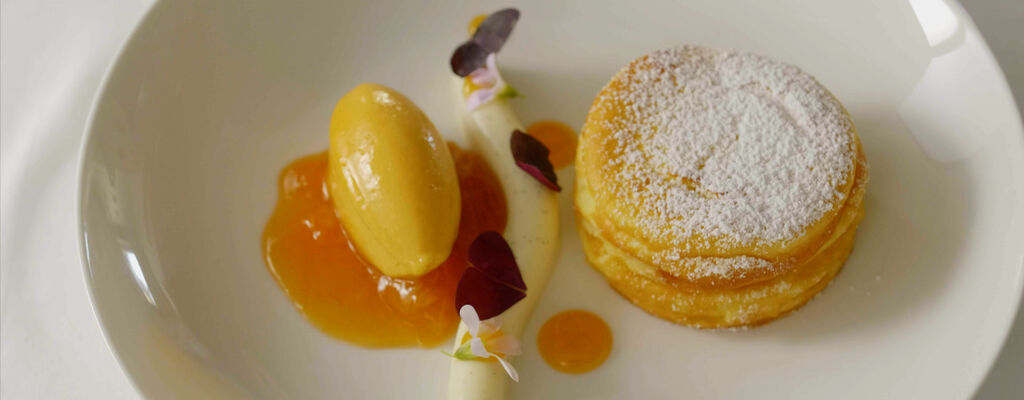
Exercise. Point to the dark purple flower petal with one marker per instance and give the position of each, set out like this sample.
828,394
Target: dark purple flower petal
468,57
490,253
489,37
488,296
495,29
492,282
532,156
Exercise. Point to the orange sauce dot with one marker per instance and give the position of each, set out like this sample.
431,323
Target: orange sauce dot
475,23
308,253
574,341
559,138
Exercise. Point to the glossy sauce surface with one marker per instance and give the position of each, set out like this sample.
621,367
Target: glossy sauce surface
559,138
574,341
308,253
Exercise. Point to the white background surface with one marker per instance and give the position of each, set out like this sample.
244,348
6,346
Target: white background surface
54,54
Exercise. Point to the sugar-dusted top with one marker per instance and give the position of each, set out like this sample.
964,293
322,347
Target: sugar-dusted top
726,146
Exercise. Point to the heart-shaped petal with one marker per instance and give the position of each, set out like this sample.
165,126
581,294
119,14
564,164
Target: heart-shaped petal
491,254
468,57
532,156
489,38
488,296
496,28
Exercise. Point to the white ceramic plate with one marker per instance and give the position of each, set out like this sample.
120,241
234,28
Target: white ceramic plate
208,101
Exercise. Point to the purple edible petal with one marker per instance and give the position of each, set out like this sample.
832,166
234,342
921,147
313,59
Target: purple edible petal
468,57
495,29
488,296
490,253
492,282
532,156
489,37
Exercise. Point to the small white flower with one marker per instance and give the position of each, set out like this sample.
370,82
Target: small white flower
490,84
487,341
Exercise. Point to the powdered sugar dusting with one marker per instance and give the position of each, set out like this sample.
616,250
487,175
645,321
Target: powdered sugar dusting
725,267
725,145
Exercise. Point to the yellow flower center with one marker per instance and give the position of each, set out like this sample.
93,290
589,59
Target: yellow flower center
468,87
466,337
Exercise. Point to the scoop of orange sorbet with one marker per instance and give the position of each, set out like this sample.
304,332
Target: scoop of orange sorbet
393,181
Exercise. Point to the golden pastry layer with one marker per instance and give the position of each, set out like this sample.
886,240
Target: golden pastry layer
718,189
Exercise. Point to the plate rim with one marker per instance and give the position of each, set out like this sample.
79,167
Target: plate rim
80,187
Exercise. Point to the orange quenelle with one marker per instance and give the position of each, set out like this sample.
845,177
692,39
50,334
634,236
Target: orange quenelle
308,253
574,341
559,138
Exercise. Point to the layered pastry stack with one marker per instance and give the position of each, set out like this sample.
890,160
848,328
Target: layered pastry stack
718,189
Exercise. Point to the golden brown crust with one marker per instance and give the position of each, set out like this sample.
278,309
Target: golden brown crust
750,305
619,217
704,280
